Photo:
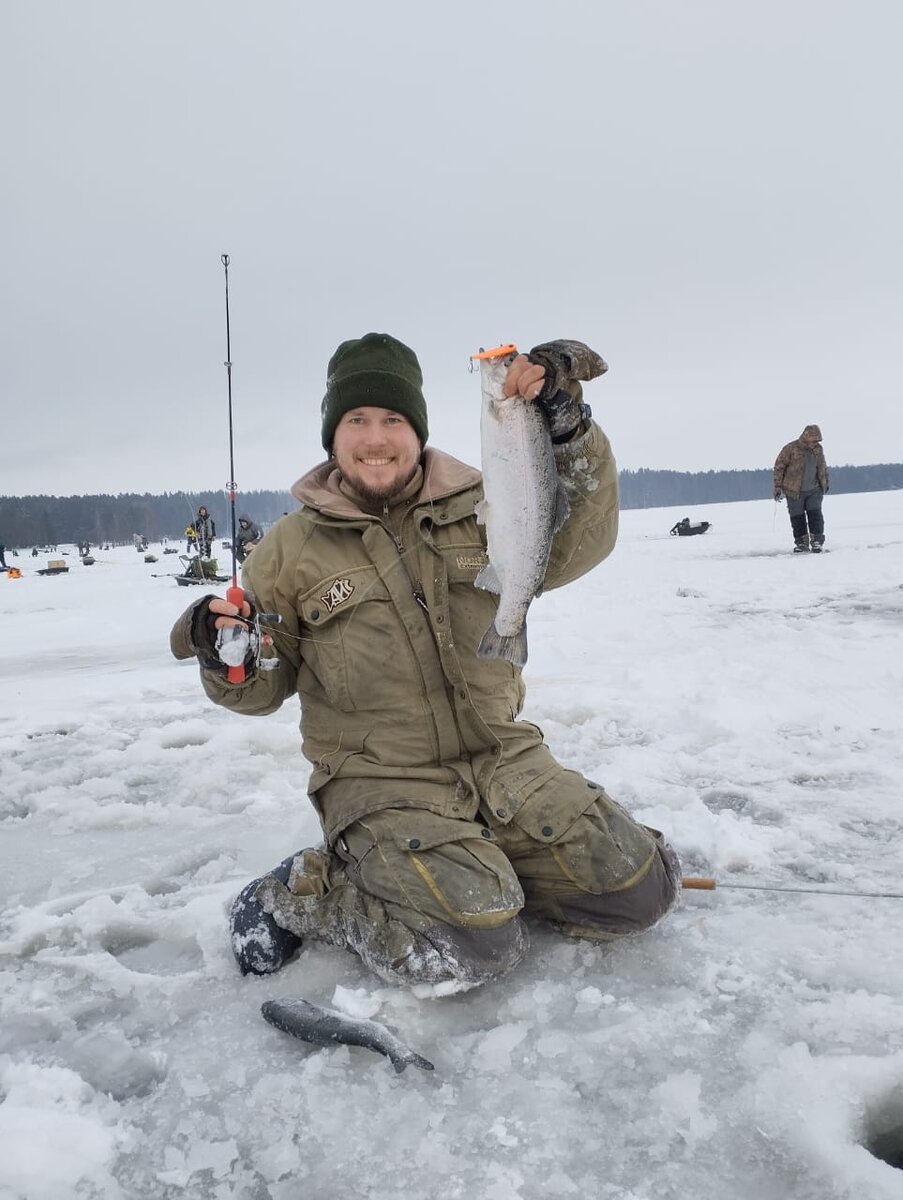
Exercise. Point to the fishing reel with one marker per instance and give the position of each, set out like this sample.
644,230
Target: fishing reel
242,643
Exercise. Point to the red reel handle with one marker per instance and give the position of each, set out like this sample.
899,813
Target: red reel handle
235,595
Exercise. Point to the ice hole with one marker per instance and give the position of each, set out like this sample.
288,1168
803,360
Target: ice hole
157,956
884,1130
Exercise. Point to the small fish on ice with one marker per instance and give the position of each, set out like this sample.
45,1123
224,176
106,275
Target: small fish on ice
327,1027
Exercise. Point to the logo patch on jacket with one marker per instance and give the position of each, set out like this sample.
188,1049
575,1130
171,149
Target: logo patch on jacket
472,562
341,590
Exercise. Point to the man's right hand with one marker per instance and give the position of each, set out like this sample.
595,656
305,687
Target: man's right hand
778,494
225,614
209,619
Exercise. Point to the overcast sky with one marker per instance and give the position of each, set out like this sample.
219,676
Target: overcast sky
708,193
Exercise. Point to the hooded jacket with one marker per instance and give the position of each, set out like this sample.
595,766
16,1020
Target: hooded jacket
380,625
788,467
248,531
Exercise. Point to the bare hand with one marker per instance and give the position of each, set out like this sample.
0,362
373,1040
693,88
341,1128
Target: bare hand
524,378
228,612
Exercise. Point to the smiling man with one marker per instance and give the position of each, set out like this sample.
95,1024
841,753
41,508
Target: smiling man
444,816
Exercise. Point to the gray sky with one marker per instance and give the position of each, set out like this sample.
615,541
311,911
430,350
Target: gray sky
708,193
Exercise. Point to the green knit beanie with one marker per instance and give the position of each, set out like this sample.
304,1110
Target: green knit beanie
373,371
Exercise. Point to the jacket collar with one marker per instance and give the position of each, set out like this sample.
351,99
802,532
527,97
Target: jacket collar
443,476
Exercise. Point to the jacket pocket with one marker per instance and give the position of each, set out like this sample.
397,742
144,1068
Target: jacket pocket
598,846
444,869
328,765
346,621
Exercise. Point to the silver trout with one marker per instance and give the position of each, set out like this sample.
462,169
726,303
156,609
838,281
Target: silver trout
524,505
327,1027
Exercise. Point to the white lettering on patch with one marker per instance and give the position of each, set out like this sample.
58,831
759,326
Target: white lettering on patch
341,590
472,562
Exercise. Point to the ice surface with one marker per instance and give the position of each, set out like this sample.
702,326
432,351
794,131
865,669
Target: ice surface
745,700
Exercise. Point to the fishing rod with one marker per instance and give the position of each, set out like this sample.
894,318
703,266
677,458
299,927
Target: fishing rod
235,594
704,883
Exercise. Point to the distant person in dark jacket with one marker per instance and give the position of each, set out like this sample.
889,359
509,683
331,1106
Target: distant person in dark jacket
248,535
801,474
3,566
205,532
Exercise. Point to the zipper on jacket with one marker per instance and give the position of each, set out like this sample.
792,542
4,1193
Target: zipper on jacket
417,586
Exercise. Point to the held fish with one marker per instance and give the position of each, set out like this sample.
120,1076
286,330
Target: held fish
327,1027
524,505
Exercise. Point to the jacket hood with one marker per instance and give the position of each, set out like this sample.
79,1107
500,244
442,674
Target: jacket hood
443,475
811,433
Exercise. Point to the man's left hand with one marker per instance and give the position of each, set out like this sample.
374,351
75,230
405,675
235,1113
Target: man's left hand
524,378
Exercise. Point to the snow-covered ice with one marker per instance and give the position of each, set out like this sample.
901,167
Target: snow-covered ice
746,700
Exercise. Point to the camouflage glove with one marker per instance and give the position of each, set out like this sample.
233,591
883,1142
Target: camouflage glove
561,399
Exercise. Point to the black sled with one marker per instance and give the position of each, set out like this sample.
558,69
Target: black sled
685,529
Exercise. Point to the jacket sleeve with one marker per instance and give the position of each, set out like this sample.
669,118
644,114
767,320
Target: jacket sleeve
263,690
587,468
780,466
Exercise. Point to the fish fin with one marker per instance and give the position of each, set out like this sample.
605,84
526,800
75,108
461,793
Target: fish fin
410,1059
512,649
488,580
562,508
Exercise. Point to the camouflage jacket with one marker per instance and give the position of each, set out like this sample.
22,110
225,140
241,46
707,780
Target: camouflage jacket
380,625
788,466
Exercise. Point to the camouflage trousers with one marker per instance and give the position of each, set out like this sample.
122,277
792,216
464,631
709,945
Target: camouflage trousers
423,898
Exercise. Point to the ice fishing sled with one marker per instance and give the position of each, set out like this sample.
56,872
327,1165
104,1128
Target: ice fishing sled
685,529
55,566
199,571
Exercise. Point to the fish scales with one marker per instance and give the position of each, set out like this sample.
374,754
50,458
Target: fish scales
524,506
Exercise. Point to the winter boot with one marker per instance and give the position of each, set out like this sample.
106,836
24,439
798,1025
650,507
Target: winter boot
259,944
801,545
816,541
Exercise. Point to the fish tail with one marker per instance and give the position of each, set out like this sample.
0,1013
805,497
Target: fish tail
512,649
410,1059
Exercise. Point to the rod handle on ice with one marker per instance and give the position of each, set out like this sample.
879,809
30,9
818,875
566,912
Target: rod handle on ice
701,883
235,595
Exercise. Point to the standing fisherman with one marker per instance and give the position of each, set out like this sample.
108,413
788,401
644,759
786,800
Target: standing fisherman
444,816
801,474
204,532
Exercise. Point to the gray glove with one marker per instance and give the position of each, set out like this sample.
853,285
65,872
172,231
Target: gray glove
566,362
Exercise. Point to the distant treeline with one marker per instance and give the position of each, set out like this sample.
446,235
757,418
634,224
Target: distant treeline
54,520
665,489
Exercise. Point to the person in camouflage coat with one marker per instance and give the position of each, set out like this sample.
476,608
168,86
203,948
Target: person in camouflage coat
445,817
801,474
204,532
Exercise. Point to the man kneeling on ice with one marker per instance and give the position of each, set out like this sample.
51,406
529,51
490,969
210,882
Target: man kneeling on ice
444,816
